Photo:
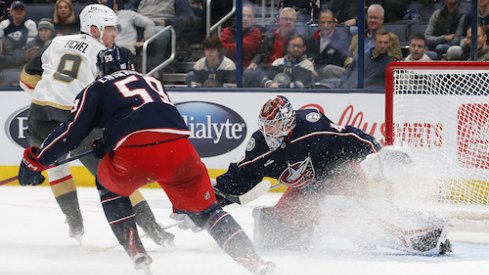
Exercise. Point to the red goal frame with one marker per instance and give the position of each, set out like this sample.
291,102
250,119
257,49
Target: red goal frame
418,65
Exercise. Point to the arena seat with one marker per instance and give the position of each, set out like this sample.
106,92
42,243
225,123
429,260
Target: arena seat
418,28
401,30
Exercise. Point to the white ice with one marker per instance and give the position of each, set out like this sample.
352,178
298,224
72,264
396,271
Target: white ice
34,241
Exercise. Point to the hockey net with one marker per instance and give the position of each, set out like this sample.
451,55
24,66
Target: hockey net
439,113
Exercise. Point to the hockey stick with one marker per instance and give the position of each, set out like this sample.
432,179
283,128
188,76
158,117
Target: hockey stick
56,163
106,248
255,192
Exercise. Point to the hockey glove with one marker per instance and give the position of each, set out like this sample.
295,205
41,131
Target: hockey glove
31,168
98,148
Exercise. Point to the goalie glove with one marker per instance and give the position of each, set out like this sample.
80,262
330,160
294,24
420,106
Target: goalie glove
387,164
30,168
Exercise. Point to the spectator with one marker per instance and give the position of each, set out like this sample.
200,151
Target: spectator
375,21
482,17
252,37
463,52
328,45
306,10
445,27
64,19
8,55
274,41
3,10
17,28
417,48
214,69
376,61
345,11
45,33
177,13
395,9
132,4
129,20
293,70
271,48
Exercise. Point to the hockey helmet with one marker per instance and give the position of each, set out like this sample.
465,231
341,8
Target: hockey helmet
276,120
114,59
97,15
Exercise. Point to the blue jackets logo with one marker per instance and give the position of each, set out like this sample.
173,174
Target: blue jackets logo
16,127
215,129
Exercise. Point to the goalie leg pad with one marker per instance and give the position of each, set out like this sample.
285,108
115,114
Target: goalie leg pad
270,231
427,241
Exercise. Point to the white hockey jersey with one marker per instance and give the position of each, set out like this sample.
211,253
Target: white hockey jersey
69,65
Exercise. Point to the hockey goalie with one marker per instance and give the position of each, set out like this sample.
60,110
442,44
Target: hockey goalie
328,191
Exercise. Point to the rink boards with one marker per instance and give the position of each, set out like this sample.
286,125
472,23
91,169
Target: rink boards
221,122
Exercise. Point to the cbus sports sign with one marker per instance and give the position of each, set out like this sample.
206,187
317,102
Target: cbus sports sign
215,129
16,127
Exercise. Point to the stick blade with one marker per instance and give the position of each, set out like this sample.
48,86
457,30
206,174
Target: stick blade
255,192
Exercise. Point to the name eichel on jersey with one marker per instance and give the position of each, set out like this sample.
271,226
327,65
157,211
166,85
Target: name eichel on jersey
77,45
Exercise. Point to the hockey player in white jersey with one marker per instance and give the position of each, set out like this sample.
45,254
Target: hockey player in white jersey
55,76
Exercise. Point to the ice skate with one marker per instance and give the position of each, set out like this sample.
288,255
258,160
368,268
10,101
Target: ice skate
160,235
142,261
136,251
445,247
257,266
265,268
76,229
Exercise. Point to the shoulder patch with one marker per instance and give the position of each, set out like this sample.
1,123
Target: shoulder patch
313,117
251,144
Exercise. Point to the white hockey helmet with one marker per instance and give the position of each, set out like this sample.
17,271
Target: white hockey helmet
276,121
97,15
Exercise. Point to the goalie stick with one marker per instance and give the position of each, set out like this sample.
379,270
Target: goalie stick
255,192
56,163
388,153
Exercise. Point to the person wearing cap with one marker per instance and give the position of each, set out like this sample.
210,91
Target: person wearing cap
45,33
17,28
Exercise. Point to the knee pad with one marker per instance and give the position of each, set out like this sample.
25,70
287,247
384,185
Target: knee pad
58,172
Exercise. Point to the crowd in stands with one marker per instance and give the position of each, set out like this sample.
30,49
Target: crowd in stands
309,44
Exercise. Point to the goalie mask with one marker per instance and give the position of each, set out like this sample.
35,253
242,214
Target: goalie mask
114,59
276,121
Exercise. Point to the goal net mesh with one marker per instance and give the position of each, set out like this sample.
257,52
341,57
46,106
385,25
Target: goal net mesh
441,117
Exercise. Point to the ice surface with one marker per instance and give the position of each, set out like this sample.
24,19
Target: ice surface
34,240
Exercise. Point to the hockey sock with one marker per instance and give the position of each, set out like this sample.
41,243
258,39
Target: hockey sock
70,207
144,215
146,220
64,190
120,215
232,239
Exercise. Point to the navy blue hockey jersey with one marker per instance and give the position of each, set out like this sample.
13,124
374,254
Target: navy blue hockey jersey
310,153
122,103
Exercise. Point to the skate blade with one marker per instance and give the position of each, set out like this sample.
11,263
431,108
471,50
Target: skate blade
78,238
146,268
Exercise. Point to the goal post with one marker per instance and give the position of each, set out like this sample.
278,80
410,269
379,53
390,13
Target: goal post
439,112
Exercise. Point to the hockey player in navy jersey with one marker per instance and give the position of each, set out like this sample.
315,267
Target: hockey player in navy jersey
145,139
312,156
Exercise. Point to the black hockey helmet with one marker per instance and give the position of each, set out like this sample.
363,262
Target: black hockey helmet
114,59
